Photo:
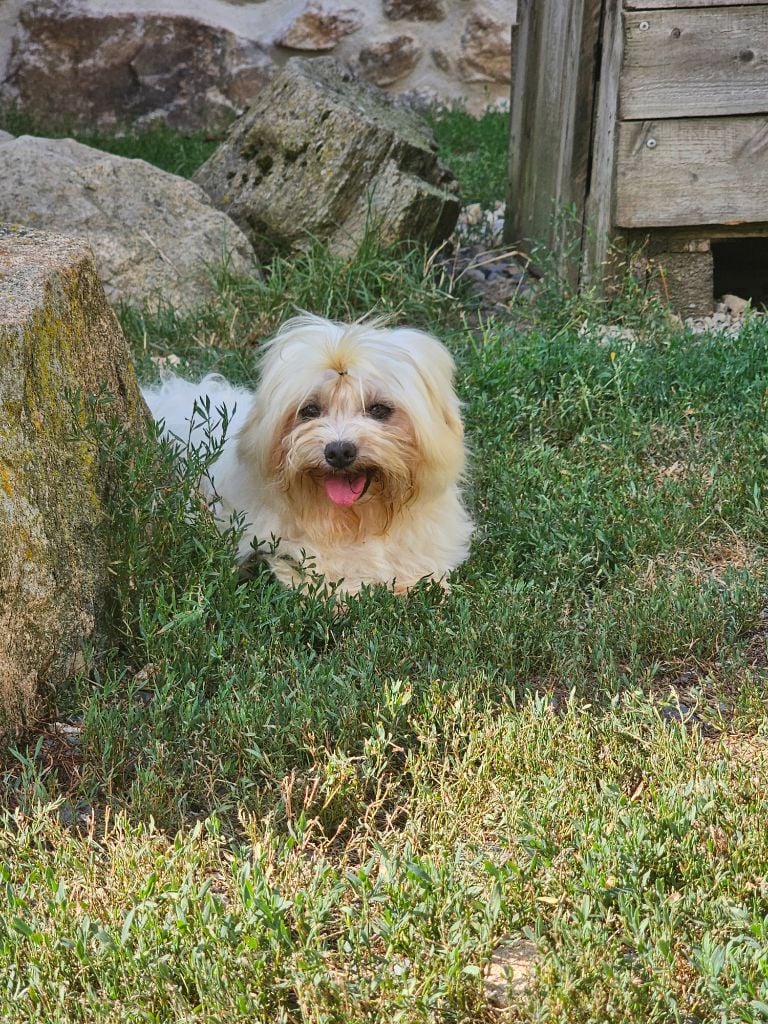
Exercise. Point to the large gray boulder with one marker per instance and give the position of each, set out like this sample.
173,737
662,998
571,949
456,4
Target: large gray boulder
154,235
58,339
321,154
92,68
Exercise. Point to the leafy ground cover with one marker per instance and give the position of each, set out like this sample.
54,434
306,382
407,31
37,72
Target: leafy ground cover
264,810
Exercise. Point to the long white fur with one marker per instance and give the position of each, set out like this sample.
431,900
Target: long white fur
426,536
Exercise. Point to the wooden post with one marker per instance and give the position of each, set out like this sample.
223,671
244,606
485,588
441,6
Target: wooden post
551,124
599,207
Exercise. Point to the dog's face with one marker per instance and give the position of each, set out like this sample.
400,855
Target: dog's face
352,424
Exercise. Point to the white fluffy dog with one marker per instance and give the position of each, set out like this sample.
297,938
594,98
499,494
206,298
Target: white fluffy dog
347,460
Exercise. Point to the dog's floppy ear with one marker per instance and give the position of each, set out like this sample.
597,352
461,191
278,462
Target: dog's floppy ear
260,440
436,410
283,380
448,402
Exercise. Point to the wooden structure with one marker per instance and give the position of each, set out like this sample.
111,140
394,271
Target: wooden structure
643,121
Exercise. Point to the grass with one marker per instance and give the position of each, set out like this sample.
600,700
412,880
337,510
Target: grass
276,812
159,145
476,151
474,148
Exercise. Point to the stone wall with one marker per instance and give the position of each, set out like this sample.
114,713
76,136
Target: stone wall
195,63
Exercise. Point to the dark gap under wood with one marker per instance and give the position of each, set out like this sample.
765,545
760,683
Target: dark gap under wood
741,268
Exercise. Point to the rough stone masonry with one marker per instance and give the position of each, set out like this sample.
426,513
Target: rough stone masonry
194,64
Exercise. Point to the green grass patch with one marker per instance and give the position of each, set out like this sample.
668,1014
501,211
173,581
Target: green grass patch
474,148
476,151
276,811
158,145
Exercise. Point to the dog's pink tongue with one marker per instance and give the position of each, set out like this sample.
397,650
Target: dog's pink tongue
344,491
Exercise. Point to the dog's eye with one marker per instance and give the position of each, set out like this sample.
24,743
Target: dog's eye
309,412
379,411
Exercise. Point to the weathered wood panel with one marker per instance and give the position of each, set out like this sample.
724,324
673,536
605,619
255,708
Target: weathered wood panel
551,117
669,239
598,214
692,171
694,63
520,122
660,5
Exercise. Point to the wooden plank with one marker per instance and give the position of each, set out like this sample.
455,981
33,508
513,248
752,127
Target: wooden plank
695,63
551,116
669,238
661,5
553,76
692,171
598,219
519,124
586,57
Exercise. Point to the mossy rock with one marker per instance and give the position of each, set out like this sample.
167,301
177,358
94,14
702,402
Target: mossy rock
60,344
323,155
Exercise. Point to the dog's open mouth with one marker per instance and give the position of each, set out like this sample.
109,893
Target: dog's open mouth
346,490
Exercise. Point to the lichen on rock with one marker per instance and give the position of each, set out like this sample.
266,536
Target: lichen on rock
59,345
322,155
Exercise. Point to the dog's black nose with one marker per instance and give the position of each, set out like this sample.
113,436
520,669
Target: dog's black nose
340,454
